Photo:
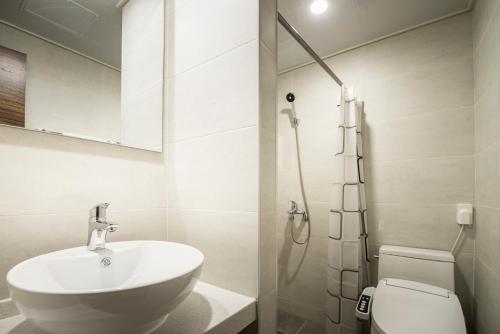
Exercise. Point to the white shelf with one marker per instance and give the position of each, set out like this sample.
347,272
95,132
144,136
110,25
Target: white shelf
208,309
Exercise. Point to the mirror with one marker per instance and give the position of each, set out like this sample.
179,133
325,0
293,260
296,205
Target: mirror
90,69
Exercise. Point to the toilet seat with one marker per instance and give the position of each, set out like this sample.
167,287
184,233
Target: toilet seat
401,306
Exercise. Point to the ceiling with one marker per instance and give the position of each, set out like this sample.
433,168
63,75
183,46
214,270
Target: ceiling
347,23
91,27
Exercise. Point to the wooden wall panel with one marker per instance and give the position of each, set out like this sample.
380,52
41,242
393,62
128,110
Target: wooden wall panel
12,87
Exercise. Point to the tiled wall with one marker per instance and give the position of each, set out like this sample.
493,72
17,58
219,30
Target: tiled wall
213,97
142,73
221,68
419,153
49,183
486,26
268,291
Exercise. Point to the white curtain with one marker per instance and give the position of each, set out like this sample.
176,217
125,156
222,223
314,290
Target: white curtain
347,255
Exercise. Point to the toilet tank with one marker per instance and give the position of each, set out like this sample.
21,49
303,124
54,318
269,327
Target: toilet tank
417,264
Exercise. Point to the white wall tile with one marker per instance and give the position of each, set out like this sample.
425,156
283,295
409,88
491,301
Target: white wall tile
441,180
218,172
424,135
44,174
219,95
486,22
26,236
202,30
229,241
418,144
488,176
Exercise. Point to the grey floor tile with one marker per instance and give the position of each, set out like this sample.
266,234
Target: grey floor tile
289,323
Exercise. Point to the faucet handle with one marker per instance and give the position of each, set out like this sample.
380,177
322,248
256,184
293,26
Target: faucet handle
99,211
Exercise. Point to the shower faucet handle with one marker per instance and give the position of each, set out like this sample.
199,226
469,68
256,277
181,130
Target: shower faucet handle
294,209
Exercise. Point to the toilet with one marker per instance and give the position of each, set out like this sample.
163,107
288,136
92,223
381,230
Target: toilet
415,293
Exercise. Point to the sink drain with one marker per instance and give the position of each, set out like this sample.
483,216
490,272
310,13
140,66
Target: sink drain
106,261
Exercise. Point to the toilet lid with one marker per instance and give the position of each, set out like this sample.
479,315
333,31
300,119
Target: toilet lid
401,306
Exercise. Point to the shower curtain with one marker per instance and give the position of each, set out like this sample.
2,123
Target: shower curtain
348,270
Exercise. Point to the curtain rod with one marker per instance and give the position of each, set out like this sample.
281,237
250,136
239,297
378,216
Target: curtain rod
295,34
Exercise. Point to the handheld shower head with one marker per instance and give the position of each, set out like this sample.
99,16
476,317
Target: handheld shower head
294,121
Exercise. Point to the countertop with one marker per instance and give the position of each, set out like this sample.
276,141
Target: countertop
208,309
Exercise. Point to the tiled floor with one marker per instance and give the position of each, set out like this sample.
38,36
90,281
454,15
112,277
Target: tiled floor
292,324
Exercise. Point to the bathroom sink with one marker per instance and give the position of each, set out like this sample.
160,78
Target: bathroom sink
127,288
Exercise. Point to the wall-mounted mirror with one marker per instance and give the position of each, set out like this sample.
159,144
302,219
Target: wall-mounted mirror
91,69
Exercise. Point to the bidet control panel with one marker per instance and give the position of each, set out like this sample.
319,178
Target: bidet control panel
364,305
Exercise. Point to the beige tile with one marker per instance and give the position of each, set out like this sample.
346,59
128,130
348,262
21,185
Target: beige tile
349,66
464,285
444,40
268,22
416,225
485,62
229,241
44,174
307,287
420,144
487,176
311,83
141,121
216,96
32,235
487,295
481,17
481,326
303,310
311,327
319,215
498,175
487,118
444,85
267,89
268,271
283,87
230,24
8,309
215,172
267,170
173,5
425,181
294,258
289,323
488,237
139,225
267,307
28,236
423,135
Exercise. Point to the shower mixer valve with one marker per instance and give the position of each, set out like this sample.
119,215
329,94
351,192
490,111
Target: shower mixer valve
294,210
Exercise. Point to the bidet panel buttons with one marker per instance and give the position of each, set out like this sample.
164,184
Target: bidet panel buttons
365,303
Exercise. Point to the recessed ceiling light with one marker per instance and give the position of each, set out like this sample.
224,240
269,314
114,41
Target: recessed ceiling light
318,6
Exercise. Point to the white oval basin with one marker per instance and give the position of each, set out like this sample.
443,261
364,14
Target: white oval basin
74,291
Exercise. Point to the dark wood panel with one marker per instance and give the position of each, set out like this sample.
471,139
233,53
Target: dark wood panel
12,87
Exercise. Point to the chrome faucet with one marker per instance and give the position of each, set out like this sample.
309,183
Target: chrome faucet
99,227
294,210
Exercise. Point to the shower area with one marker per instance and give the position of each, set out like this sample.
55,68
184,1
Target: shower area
322,218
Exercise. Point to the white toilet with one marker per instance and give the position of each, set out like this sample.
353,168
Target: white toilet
415,293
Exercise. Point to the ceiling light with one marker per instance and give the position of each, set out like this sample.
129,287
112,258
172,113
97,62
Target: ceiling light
318,6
